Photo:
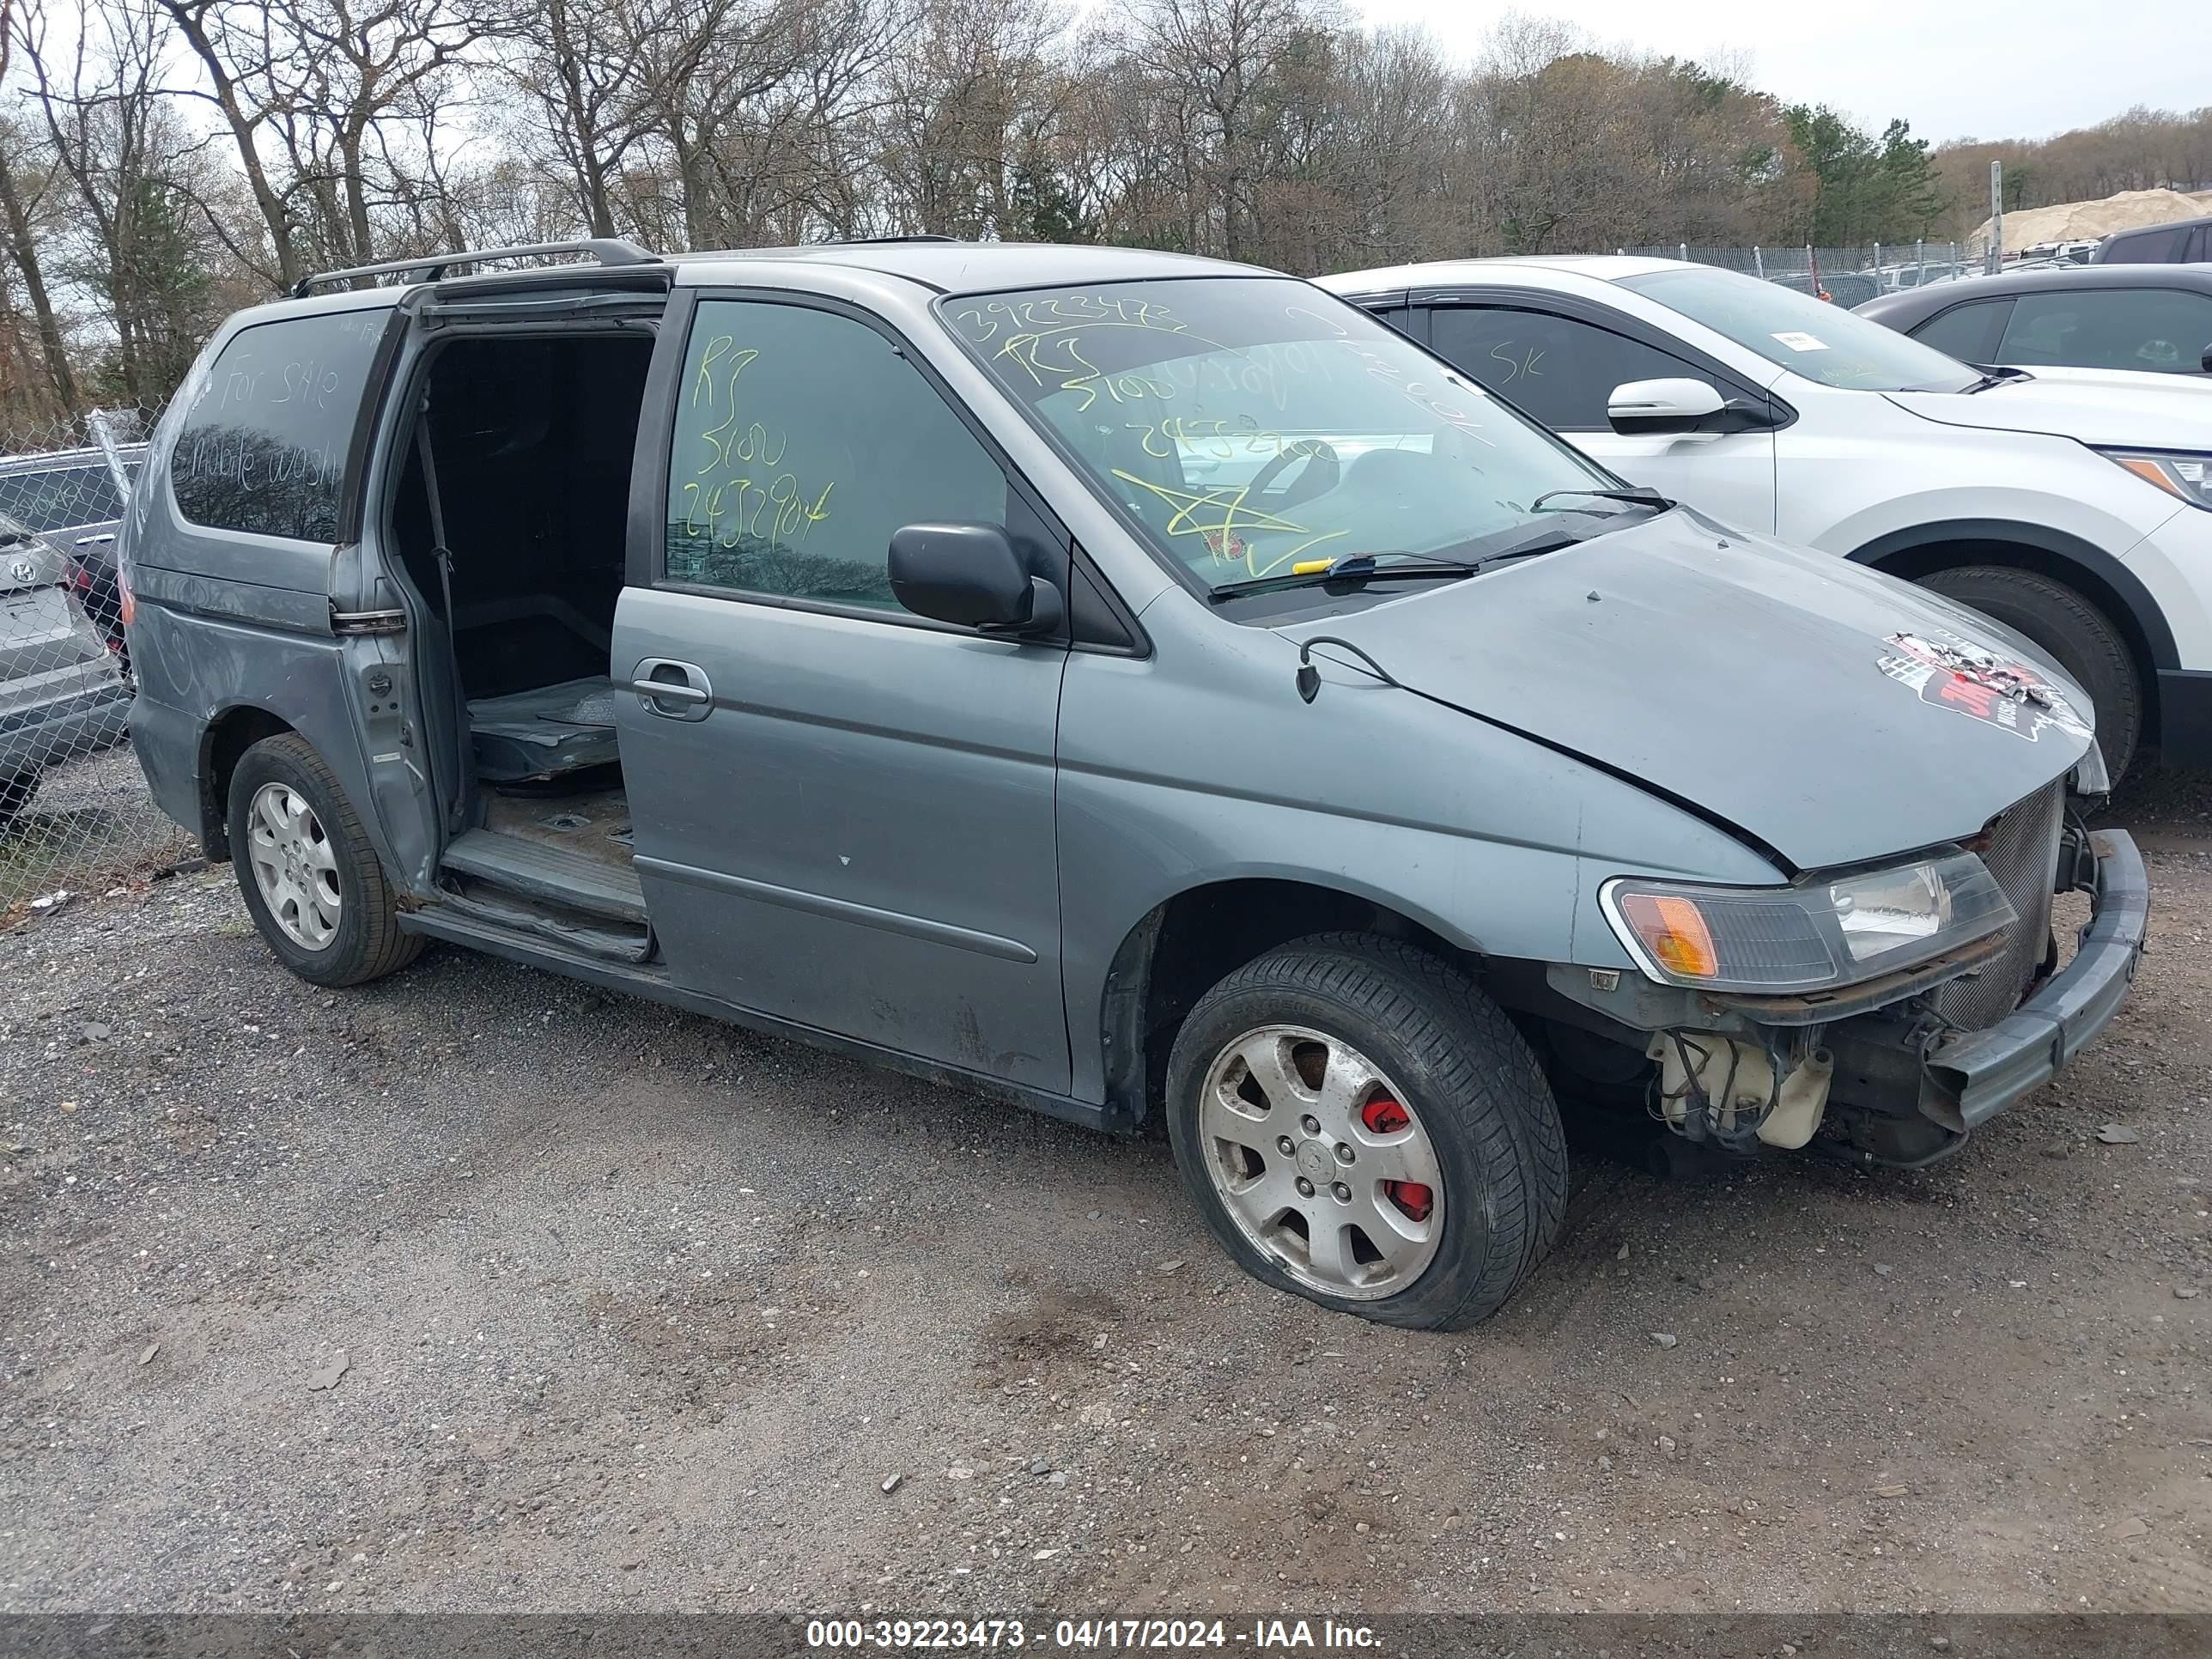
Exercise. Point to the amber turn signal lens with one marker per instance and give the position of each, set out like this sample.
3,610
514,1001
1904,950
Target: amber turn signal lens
1674,931
2149,472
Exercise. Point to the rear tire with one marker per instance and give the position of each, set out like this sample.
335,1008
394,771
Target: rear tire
1392,1024
2074,631
362,941
15,792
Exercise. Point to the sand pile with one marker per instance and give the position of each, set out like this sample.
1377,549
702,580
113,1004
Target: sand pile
2080,221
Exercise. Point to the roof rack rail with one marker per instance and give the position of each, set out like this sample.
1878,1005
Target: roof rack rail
917,236
608,250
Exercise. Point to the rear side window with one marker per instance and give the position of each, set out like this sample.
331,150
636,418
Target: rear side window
803,440
262,448
1561,370
1967,333
60,498
2147,247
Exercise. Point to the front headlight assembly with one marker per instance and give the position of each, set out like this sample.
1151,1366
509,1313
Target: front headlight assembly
2175,471
1817,933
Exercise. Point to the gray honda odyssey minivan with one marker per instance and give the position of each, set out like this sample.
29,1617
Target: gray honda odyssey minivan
1147,688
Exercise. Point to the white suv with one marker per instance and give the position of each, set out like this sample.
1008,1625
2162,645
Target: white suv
2074,507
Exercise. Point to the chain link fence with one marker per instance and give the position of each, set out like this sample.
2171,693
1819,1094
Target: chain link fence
75,817
1848,276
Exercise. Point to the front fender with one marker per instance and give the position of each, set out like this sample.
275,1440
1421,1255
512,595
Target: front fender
1485,838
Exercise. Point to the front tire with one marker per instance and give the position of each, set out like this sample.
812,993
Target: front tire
1427,1169
313,884
2076,634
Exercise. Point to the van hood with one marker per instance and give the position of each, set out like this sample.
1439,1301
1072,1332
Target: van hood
1828,713
2112,408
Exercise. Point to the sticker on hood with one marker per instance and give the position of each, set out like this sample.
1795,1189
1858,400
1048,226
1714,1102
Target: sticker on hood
1953,673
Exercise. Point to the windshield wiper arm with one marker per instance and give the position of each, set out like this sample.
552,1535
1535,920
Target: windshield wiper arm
1994,374
1361,567
1635,495
1352,567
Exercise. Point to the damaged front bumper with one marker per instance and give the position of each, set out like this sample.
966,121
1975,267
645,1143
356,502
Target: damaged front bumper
1908,1093
1872,1073
1972,1075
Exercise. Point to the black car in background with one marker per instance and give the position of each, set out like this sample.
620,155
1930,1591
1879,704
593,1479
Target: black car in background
2156,317
68,497
2179,242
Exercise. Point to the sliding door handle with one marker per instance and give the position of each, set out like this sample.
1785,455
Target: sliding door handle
671,691
674,690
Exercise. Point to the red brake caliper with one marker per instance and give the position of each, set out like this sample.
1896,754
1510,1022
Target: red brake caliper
1385,1116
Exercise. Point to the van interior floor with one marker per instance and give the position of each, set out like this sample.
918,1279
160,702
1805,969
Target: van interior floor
558,864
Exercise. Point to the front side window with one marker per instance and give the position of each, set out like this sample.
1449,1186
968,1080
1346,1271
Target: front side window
1256,427
2163,330
1561,370
1806,336
803,440
264,444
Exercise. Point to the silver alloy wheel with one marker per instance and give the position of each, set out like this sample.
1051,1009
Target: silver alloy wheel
294,866
1286,1125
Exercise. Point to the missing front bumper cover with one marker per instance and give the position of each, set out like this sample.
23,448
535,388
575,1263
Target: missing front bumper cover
1976,1074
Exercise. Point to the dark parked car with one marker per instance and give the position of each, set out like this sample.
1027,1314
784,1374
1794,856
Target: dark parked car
2135,317
68,496
2178,242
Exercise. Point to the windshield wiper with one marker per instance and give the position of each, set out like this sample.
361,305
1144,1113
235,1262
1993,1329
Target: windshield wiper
1352,567
1635,495
1363,567
1995,375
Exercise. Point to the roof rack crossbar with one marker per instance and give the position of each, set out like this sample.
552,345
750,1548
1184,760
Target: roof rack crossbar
608,250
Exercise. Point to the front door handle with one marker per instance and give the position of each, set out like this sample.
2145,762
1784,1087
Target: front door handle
95,541
674,690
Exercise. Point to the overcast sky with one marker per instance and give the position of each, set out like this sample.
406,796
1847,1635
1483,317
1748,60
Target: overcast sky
1984,69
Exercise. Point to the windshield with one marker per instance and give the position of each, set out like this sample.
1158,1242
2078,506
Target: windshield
1254,427
1807,337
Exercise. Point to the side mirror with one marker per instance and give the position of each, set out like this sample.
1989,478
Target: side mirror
969,575
1677,405
2206,360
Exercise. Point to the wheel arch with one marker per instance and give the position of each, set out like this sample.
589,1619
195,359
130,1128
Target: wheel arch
1921,551
1189,942
224,744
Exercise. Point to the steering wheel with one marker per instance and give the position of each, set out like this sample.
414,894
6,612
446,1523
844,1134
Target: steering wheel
1317,477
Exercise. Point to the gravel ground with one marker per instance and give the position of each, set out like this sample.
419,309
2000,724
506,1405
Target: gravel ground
91,825
478,1288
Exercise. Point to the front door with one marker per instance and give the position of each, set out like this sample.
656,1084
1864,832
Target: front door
843,813
1563,370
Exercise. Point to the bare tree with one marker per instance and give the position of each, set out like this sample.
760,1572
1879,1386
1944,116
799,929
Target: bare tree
580,76
115,139
19,198
962,108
